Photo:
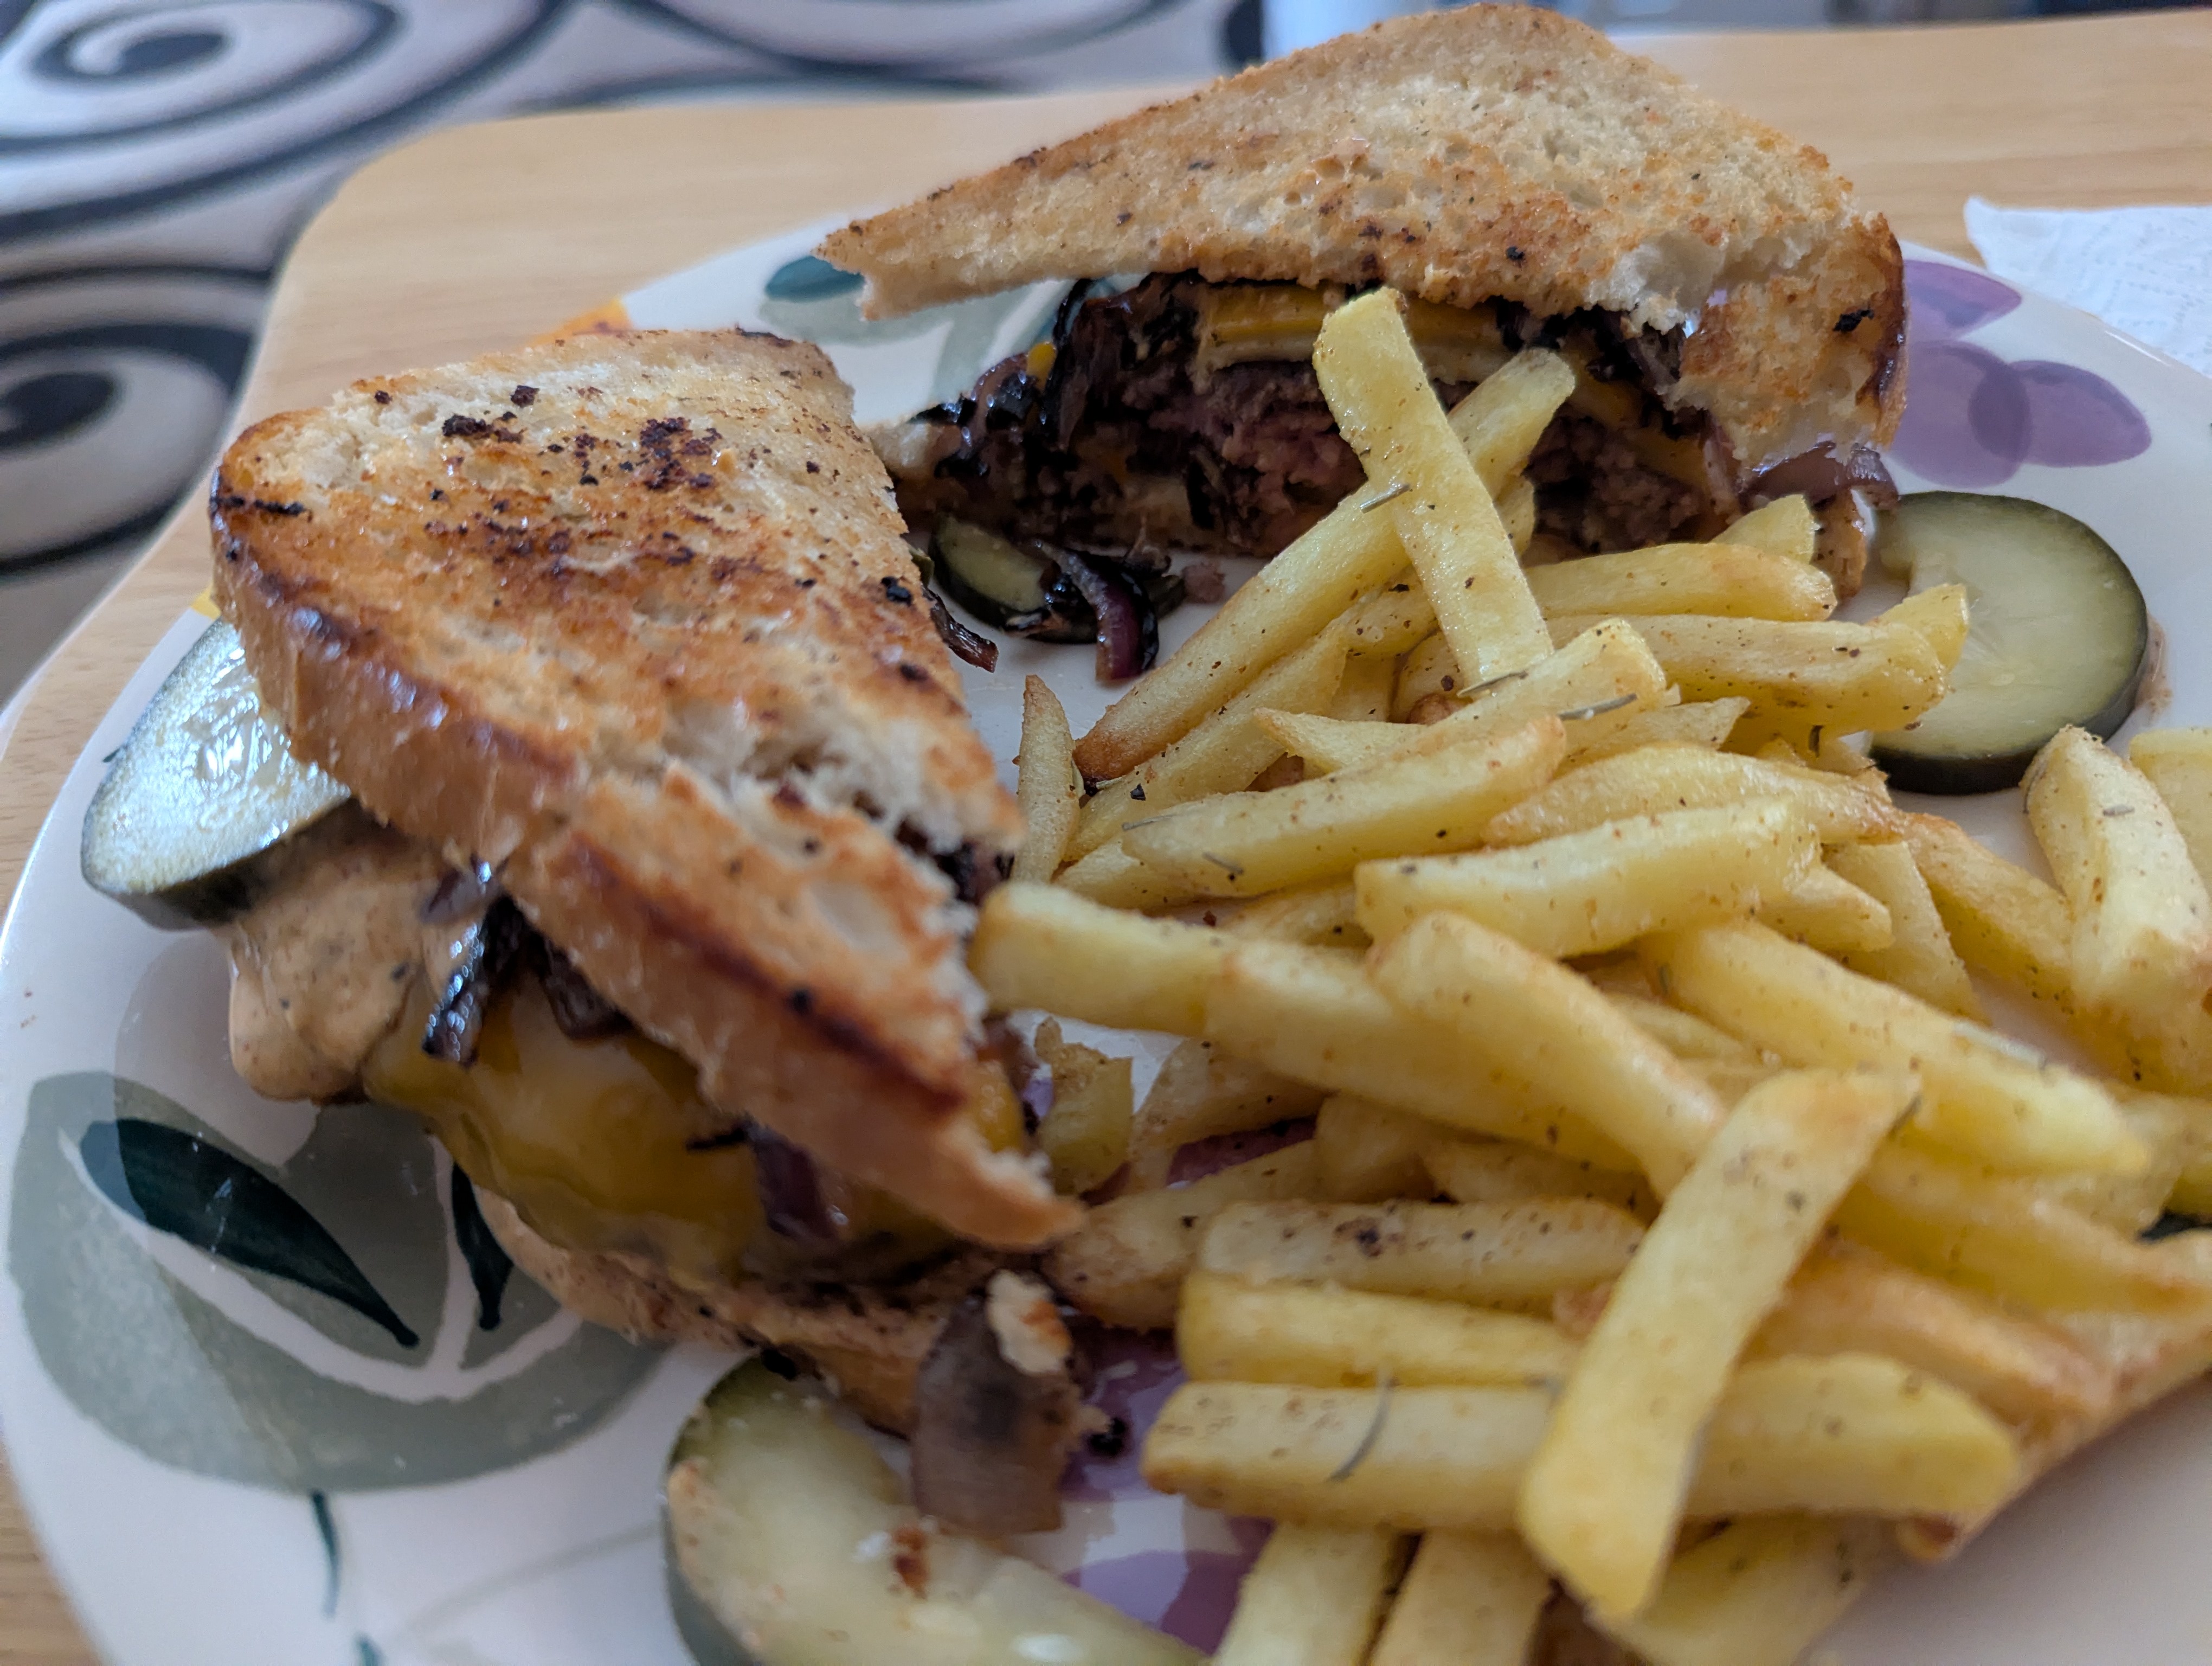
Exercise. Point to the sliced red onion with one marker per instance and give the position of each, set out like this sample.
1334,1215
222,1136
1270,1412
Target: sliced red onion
1128,631
493,944
990,1440
791,1192
979,651
582,1012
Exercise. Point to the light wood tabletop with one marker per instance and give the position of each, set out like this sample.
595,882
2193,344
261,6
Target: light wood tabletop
479,237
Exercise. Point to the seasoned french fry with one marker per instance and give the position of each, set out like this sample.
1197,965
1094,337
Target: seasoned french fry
2000,1235
1112,876
1984,1095
1483,1253
1584,892
1469,1599
1693,723
1603,1497
1760,1592
2001,919
1503,1170
1785,526
1328,744
1846,1299
1085,1135
1324,916
1517,512
1534,1021
1392,622
1500,422
1222,753
1939,615
1920,958
1843,677
1245,844
1363,695
1733,580
1125,1263
1685,1034
1866,1435
1038,945
1201,1093
2192,1194
1829,912
1229,1329
1731,1078
1049,791
1851,1434
2142,922
1312,1015
1367,1152
2179,762
1443,511
1662,778
1314,1598
1430,667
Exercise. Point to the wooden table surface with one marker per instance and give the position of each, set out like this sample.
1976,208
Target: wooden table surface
478,237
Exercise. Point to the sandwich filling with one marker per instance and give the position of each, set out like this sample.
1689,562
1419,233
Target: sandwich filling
1183,413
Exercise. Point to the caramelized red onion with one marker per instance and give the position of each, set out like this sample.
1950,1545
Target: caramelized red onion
991,1440
1128,629
491,949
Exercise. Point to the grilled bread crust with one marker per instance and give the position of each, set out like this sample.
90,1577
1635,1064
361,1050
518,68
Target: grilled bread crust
1461,155
631,618
871,1343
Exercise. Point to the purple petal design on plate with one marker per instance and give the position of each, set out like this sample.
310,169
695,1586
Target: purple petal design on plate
1132,1374
2078,420
1189,1596
1949,301
1965,417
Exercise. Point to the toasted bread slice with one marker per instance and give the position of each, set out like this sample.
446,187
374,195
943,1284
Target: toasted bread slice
631,617
1461,155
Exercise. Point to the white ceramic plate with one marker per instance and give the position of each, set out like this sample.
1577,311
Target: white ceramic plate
309,1448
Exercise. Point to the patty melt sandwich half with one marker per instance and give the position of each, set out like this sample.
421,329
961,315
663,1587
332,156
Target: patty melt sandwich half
666,821
1736,320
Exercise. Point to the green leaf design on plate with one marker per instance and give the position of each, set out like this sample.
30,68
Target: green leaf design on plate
178,1183
810,278
489,1266
223,1369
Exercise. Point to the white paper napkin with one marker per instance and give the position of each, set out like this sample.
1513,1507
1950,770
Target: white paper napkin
2144,270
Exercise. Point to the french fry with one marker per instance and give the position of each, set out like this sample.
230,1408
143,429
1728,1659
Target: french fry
1659,779
1984,1095
1126,1263
1760,1592
1732,581
1685,1034
1314,1598
1488,1254
1049,791
1245,844
1469,1599
1390,622
1200,1093
1220,754
1846,1299
1367,1152
1920,958
2143,922
1534,1020
2000,1235
1500,422
1311,1014
1828,911
1694,723
1517,512
1430,668
1603,1497
1231,1330
2001,919
1731,1078
1785,526
1442,510
1363,695
1866,1436
1038,945
1584,892
2173,1132
1329,743
1840,676
1114,877
2179,762
1503,1170
1852,1434
1085,1135
1939,615
1324,915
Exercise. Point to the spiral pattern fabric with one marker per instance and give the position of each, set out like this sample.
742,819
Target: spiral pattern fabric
157,156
